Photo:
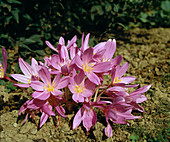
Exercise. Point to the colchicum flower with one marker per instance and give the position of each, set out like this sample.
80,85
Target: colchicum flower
80,87
46,88
75,75
90,67
30,73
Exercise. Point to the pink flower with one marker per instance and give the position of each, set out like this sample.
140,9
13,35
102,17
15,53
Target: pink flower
30,73
62,43
136,97
90,67
87,115
46,88
4,67
117,73
117,113
108,49
80,88
34,106
84,43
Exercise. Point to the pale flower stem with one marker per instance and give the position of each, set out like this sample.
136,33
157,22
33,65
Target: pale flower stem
9,79
95,97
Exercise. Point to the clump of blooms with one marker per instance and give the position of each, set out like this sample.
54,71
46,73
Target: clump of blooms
75,75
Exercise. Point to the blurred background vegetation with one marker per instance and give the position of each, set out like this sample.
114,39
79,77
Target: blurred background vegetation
28,23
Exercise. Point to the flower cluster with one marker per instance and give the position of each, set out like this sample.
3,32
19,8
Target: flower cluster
78,73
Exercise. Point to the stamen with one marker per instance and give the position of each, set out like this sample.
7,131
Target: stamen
1,73
49,88
116,80
78,88
87,68
29,82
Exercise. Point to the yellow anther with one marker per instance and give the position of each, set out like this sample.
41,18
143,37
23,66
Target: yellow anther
87,67
49,88
78,88
29,82
2,73
116,80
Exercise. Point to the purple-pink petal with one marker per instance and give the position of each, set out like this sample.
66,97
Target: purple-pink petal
50,45
110,47
89,119
108,131
86,41
22,85
45,75
78,61
77,98
25,67
93,78
57,92
73,40
116,60
141,90
87,55
21,78
127,79
48,110
102,67
37,85
141,99
77,118
63,82
56,80
123,69
41,95
60,111
43,119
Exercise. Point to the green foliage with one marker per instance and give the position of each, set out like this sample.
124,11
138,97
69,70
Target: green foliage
8,85
27,24
133,138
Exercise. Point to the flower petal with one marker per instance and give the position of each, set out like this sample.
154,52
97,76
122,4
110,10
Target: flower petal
102,67
45,75
89,119
37,85
127,79
110,47
93,78
116,60
108,131
78,61
86,41
73,40
48,110
50,45
63,82
60,111
87,55
22,85
77,118
141,90
25,67
21,78
41,95
43,119
77,98
122,70
141,99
